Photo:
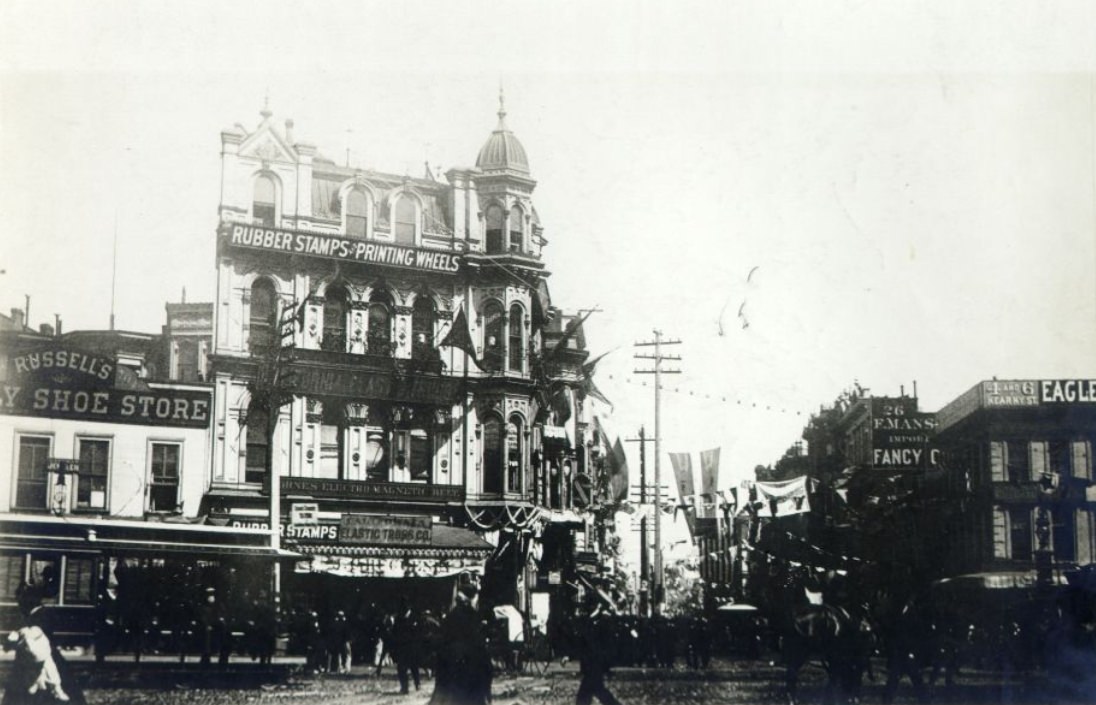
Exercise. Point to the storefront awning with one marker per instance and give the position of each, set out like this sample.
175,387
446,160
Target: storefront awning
135,538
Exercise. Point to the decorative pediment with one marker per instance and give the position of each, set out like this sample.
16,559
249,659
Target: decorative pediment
268,146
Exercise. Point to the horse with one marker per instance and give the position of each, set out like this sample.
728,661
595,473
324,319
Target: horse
842,642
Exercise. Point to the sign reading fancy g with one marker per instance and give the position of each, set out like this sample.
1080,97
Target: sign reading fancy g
335,247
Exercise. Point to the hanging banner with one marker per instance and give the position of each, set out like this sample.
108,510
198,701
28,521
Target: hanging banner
709,480
780,499
683,474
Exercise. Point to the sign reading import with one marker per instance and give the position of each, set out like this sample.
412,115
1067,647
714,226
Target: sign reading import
334,247
385,530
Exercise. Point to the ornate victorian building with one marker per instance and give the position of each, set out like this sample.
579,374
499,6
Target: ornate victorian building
381,391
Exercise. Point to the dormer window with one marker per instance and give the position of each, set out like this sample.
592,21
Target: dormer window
494,230
264,203
406,221
517,229
357,214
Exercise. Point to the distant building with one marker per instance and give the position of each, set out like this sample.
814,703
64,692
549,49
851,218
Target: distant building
1019,457
187,341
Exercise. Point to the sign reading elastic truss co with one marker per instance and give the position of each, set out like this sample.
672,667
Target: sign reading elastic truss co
334,247
377,530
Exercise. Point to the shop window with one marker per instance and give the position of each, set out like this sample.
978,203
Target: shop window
493,455
264,312
406,221
379,336
493,232
79,588
516,339
163,488
263,204
1020,534
335,306
493,336
257,443
517,229
414,454
1063,534
91,488
32,486
376,456
422,328
1059,458
45,572
357,214
332,441
12,573
1018,461
513,455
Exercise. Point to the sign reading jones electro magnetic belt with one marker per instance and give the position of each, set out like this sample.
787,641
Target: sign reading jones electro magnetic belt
385,530
295,242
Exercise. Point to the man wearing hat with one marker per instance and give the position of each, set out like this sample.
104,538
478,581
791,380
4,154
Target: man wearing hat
463,674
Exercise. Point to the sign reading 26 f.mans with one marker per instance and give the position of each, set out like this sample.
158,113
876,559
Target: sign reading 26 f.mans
296,242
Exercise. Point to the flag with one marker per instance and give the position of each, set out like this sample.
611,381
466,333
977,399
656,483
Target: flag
683,474
709,477
618,481
460,336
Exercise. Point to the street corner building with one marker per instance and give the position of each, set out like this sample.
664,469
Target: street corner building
393,386
380,403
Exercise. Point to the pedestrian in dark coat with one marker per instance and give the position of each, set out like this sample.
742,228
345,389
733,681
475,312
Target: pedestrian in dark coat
595,661
463,663
407,647
38,677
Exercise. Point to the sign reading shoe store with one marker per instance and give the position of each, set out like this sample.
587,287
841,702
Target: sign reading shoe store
243,237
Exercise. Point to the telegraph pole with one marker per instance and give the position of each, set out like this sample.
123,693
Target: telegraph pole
644,558
657,371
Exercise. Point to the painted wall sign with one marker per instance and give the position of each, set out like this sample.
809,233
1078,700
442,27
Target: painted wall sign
327,533
1006,393
185,408
318,381
375,530
58,366
900,434
252,237
422,492
1068,391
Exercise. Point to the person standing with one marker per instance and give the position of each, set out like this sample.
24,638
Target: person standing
595,661
406,641
27,675
463,665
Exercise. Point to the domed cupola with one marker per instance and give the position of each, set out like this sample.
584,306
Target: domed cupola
502,151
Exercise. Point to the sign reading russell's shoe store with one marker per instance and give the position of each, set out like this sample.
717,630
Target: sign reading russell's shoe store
296,242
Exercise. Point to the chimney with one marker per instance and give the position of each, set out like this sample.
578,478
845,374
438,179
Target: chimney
46,329
57,322
289,131
17,318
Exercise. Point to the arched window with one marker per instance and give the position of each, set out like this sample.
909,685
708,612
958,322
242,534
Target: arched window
264,312
263,204
517,346
332,441
422,328
335,305
379,340
517,229
513,455
494,230
357,213
258,443
493,455
493,336
406,220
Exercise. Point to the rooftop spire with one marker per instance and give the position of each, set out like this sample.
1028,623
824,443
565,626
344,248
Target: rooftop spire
502,111
265,112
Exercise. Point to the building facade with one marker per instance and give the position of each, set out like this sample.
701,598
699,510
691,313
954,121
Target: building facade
1019,453
109,464
413,428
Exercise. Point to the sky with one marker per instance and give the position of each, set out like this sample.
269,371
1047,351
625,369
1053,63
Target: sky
807,195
